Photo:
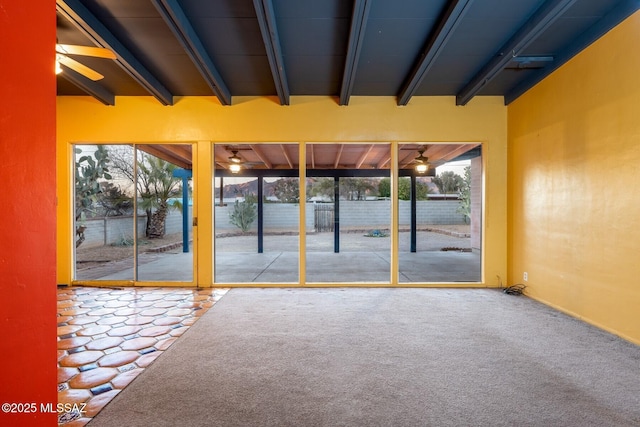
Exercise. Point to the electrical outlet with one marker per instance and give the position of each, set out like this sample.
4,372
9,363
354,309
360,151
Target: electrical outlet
525,276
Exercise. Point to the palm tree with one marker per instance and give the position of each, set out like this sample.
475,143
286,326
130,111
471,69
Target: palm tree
157,187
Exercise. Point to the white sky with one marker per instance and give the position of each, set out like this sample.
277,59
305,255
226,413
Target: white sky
457,167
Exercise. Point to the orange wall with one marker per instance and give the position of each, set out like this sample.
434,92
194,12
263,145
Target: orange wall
28,216
574,205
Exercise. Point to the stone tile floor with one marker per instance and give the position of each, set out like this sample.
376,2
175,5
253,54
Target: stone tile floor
108,336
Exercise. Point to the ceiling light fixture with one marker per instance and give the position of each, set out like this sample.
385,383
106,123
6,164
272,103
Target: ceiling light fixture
422,162
421,168
235,158
235,167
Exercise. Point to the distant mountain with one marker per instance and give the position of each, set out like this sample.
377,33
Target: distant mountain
250,187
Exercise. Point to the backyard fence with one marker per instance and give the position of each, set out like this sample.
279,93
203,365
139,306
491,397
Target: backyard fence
118,229
323,217
285,217
359,214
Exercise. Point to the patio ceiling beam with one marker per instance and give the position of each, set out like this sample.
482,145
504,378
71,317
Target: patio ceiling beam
457,152
180,25
338,155
546,15
167,155
383,162
222,162
447,24
176,151
92,88
406,159
356,37
621,12
77,14
286,155
312,156
268,28
261,156
364,155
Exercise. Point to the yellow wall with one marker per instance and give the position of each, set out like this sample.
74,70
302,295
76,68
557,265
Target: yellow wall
308,119
574,204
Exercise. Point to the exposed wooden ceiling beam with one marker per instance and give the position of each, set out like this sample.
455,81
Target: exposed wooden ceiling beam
286,155
92,88
356,37
546,15
338,155
364,155
600,28
435,45
313,160
177,21
165,153
457,151
383,162
267,21
77,14
405,160
264,159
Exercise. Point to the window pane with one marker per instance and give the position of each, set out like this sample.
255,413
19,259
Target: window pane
436,241
257,213
165,235
104,212
349,240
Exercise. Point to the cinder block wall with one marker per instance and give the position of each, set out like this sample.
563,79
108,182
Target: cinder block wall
280,217
101,231
353,214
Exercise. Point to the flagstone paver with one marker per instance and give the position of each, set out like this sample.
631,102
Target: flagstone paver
107,336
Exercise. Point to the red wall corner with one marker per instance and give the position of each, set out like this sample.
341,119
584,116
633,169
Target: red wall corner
28,218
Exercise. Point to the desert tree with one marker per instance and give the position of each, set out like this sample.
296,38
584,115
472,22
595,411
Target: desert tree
404,189
287,190
448,182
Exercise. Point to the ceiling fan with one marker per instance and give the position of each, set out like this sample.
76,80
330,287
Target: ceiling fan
421,161
235,162
62,58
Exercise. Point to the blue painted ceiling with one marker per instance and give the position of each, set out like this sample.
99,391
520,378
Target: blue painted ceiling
338,48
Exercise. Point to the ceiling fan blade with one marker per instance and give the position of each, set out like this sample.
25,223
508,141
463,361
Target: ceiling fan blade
79,68
98,52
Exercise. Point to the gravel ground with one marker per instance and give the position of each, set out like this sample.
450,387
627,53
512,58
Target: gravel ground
92,256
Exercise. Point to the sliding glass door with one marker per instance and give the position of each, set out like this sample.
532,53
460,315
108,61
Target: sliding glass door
439,213
133,219
347,196
256,213
134,222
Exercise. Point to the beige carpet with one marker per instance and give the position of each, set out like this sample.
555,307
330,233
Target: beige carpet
384,357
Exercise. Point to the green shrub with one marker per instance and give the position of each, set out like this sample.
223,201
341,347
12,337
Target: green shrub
243,213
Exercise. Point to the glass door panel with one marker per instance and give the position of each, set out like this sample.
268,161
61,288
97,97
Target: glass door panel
104,212
133,219
349,241
165,213
257,211
439,232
